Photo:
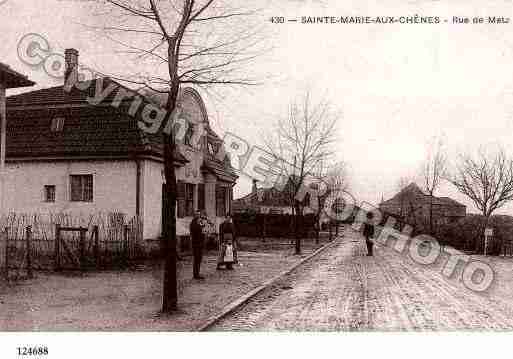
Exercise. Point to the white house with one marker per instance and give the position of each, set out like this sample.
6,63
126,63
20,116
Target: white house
8,79
65,154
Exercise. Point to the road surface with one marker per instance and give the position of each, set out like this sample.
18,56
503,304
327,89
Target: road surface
344,290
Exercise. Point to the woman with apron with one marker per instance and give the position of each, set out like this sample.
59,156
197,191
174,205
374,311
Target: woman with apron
227,244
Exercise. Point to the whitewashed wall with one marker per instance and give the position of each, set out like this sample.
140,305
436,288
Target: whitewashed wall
114,186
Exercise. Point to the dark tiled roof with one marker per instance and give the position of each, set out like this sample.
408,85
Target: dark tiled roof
89,130
221,169
447,201
13,79
58,95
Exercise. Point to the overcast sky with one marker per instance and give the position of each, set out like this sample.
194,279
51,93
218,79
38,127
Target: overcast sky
396,85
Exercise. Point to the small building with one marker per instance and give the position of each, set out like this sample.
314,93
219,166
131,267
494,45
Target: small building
270,200
412,206
68,154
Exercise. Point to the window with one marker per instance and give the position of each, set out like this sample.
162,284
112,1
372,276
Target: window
211,149
189,199
201,196
306,200
221,201
57,124
49,193
188,134
230,199
81,188
180,199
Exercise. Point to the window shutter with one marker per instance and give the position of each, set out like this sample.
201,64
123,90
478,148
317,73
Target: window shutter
180,199
201,196
230,200
189,199
76,188
220,201
88,188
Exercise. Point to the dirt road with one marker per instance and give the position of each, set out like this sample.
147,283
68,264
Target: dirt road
343,289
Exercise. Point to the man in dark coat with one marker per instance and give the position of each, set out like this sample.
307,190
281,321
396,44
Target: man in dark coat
368,233
197,239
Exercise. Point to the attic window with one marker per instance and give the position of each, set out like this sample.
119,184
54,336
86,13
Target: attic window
211,148
57,124
188,134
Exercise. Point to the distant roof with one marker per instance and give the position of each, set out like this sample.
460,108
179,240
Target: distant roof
413,192
13,79
271,196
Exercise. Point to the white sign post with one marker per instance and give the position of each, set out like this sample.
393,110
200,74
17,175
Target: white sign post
488,235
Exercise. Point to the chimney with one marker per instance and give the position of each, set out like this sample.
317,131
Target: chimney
254,189
71,58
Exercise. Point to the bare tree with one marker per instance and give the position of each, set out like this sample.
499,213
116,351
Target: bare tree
401,184
433,171
485,178
336,178
303,142
184,42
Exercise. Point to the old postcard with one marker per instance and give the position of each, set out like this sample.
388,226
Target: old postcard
297,166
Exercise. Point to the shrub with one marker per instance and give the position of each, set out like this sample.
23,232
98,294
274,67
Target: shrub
468,234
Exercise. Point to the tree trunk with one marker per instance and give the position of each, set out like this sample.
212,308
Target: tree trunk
296,230
317,228
170,291
431,214
486,249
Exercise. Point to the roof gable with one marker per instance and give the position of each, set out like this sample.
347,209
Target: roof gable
413,193
13,79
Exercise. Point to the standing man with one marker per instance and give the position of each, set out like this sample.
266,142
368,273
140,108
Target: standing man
197,239
368,233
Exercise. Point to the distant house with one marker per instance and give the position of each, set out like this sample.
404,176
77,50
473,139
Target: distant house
271,200
65,154
412,205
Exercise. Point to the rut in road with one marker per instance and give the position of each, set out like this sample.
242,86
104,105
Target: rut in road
344,290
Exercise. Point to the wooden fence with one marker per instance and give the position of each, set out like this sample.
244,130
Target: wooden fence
28,243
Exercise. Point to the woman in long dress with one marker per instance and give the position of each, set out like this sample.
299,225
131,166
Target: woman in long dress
227,244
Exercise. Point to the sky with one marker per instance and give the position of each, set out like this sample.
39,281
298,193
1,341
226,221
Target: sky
395,85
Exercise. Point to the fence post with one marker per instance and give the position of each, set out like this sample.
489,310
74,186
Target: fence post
82,248
28,238
57,248
96,247
6,236
125,243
